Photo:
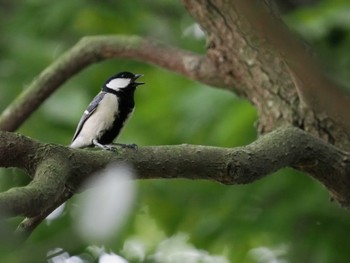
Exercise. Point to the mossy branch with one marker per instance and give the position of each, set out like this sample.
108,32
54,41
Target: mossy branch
60,171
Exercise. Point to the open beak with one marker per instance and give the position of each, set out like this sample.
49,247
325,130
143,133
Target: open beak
136,77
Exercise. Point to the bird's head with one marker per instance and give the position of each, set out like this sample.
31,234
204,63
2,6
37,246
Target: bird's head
122,81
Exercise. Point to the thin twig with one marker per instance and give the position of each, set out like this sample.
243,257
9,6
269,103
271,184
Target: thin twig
28,225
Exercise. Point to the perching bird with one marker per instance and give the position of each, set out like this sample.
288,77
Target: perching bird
106,115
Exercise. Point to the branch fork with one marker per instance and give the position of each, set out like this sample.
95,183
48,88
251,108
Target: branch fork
65,168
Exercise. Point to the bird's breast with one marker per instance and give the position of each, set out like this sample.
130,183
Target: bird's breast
101,119
108,107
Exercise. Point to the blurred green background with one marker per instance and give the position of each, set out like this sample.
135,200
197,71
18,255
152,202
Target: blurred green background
286,217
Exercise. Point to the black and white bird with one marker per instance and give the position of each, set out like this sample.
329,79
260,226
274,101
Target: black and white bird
106,115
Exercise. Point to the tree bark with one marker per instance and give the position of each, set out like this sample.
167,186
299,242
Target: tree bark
258,58
58,171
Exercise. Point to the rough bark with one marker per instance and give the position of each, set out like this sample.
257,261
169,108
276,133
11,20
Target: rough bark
57,172
261,60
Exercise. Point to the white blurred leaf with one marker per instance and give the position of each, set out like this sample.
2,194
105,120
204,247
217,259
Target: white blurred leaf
55,214
111,258
134,249
58,255
195,31
103,208
74,259
269,255
176,249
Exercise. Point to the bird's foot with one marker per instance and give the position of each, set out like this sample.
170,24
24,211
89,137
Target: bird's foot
106,147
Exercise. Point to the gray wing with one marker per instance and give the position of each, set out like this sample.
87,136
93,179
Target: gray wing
88,112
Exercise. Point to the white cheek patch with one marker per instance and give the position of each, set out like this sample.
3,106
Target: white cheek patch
117,84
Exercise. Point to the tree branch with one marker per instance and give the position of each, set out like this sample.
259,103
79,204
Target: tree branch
29,224
284,147
46,187
94,49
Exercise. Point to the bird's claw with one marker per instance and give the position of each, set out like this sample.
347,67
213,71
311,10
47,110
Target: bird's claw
110,148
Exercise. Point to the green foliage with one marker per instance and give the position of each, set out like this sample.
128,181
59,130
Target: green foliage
326,27
287,213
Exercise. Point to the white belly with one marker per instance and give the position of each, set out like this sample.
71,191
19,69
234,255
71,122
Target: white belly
100,120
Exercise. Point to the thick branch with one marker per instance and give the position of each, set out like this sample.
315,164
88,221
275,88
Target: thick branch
94,49
281,148
28,225
46,187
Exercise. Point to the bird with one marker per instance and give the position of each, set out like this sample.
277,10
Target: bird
106,115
